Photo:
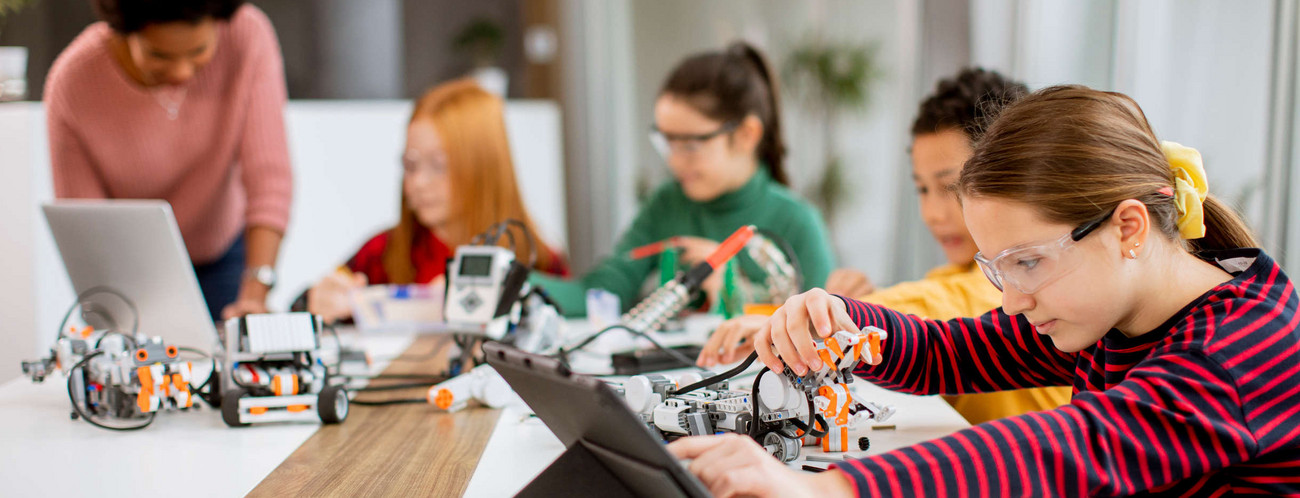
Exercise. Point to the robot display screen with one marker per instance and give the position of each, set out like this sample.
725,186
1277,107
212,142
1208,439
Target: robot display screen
475,266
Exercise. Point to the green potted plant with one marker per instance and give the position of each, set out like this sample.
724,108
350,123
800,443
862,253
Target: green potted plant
483,40
13,60
832,79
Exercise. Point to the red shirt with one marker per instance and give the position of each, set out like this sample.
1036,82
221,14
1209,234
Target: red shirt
428,254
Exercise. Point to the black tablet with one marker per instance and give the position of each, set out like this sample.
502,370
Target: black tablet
610,451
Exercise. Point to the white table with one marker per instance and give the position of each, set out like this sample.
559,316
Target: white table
521,446
194,454
191,453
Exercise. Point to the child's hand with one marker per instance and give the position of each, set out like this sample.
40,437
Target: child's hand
330,299
734,465
788,335
731,341
849,282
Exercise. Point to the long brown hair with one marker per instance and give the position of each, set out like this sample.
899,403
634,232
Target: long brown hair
471,123
726,86
1075,153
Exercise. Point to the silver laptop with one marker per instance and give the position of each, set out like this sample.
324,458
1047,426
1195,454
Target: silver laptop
133,247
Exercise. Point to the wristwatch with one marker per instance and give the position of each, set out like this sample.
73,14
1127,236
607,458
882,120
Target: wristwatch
264,275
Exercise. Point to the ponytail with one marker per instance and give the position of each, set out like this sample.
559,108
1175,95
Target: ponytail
730,85
1224,229
771,150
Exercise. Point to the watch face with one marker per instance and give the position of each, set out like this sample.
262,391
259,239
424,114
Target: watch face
265,275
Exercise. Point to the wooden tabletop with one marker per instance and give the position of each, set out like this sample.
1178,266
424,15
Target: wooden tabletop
407,449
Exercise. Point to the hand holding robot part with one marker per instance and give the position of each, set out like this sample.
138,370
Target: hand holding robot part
788,336
783,398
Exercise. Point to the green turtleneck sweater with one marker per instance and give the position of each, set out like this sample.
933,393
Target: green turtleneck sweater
668,212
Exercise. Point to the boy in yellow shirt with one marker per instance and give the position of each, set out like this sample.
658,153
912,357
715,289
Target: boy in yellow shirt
948,123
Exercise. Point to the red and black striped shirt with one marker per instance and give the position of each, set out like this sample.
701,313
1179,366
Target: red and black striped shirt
1207,404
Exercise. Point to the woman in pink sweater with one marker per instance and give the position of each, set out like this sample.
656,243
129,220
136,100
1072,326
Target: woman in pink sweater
182,100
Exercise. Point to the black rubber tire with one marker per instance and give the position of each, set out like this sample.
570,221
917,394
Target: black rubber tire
864,444
230,406
332,404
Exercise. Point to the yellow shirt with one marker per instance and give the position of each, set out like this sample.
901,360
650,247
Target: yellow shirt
953,291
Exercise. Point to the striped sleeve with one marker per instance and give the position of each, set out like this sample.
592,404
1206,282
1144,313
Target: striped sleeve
1173,418
993,352
264,148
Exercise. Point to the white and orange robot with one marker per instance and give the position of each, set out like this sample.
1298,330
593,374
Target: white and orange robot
783,411
164,379
833,400
272,372
117,381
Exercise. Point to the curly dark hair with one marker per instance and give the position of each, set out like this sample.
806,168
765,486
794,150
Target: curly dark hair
130,16
967,102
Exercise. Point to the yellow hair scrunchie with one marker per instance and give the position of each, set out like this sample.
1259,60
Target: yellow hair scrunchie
1190,188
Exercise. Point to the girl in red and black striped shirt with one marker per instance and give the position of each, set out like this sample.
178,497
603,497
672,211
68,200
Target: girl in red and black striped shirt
1178,338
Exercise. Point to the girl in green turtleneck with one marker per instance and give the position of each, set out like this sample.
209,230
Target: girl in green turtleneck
718,125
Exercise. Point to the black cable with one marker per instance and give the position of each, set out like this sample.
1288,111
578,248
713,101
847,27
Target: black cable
510,236
720,377
546,298
810,428
407,401
337,342
211,373
429,377
753,395
101,289
394,387
77,408
503,228
532,240
563,353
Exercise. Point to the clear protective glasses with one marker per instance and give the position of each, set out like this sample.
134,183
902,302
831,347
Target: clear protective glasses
1029,268
668,143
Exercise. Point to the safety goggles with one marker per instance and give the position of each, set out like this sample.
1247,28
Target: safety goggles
668,143
1029,268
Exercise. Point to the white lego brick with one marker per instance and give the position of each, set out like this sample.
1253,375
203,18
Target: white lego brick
281,333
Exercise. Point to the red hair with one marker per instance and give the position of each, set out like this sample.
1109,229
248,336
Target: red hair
471,123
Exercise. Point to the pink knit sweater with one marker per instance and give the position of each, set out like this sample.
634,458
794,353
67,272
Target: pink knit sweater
223,163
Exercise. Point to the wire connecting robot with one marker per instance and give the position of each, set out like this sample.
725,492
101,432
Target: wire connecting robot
781,409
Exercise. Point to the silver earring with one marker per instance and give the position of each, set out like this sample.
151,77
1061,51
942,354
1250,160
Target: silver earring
1132,255
1137,244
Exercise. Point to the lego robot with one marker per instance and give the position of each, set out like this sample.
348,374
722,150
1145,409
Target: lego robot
782,411
273,370
113,381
